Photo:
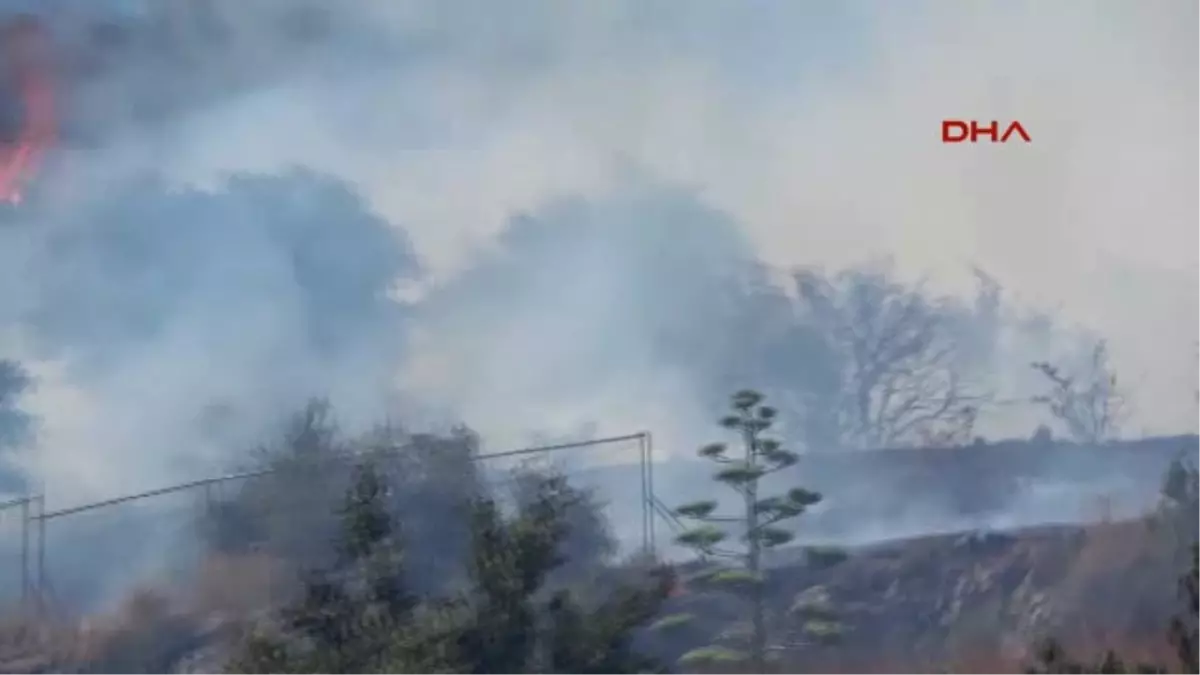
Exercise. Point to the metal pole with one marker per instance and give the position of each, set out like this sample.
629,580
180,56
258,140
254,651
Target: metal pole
208,499
204,526
645,494
25,553
650,487
41,547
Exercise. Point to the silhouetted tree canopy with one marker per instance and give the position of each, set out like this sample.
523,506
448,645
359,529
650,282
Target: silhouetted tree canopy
356,616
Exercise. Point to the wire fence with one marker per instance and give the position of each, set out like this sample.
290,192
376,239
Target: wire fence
82,555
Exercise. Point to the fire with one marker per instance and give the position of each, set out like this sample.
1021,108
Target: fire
25,60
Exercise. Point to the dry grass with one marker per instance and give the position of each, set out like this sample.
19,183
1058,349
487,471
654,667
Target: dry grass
151,629
1099,581
1113,547
977,662
1108,587
992,659
239,586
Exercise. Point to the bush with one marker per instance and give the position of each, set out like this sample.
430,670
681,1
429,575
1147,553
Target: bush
357,615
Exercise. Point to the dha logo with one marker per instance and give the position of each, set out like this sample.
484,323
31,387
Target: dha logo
957,131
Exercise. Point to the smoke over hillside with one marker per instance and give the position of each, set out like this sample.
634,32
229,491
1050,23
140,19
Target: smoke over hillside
537,217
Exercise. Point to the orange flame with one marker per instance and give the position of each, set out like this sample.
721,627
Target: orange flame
25,54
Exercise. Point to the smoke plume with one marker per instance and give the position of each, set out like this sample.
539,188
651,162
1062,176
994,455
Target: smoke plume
538,216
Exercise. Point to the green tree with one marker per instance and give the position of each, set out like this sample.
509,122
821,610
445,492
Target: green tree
601,640
509,627
347,615
759,522
588,543
358,616
1184,633
291,511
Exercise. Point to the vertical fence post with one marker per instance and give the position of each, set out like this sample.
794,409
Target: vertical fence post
645,495
41,548
206,524
25,553
648,438
649,500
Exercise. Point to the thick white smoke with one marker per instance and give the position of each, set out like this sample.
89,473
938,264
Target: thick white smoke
155,318
814,126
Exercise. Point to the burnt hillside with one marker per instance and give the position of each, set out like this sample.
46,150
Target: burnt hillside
898,493
948,600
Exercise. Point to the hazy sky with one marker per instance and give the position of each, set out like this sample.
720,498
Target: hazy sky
815,125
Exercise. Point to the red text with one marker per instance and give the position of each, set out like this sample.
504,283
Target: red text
957,131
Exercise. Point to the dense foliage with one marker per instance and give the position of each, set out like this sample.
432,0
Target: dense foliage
358,615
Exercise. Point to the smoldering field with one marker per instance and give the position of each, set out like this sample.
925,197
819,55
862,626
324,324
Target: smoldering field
555,222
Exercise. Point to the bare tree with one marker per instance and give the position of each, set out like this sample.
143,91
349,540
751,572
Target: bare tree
902,360
1089,403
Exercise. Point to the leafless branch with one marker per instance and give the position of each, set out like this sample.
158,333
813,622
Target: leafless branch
1089,403
902,383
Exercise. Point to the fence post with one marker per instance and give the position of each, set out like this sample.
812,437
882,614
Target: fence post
649,440
41,548
645,495
25,553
